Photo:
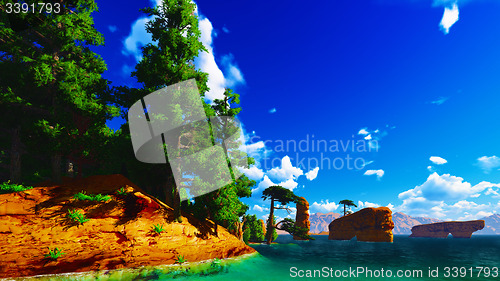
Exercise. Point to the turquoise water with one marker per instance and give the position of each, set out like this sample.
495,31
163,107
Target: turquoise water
417,258
420,254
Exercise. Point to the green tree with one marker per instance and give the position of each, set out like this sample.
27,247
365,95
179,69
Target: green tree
254,228
169,60
51,83
347,203
281,195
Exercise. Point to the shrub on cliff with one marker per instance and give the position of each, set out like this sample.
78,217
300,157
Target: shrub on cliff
7,187
254,229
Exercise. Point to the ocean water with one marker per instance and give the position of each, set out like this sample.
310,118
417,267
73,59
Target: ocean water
411,258
406,258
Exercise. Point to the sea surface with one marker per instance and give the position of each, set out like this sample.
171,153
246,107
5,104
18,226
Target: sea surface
406,258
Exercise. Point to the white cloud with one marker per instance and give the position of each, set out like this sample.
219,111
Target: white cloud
445,187
324,207
253,172
445,197
363,131
112,28
225,30
259,208
265,183
380,173
286,172
232,72
488,163
367,204
439,101
272,110
373,137
312,174
438,160
137,38
450,17
430,169
206,62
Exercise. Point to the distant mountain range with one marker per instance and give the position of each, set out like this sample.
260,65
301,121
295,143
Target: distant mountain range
320,221
402,223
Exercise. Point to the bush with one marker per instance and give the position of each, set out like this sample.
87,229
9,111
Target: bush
158,228
91,197
246,235
254,226
77,216
180,259
7,187
54,254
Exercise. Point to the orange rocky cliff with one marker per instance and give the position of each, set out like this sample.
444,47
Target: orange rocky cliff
459,229
118,234
302,216
369,224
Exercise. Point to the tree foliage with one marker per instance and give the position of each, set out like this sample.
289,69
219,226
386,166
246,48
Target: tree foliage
347,203
51,90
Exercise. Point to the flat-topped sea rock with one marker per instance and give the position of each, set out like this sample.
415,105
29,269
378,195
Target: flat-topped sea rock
368,224
458,229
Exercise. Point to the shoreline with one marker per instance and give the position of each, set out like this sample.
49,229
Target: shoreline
165,270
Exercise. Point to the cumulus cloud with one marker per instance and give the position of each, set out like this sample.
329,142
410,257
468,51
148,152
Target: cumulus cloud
379,173
363,131
137,38
286,172
259,208
324,206
206,61
272,110
445,197
253,172
367,204
438,160
488,163
450,17
312,174
445,187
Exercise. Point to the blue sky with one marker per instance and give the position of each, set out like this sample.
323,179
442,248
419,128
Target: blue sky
414,85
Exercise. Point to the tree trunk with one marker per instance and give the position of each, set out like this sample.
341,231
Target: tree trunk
15,156
55,160
344,210
270,225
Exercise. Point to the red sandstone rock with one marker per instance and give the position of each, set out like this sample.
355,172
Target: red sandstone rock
117,235
302,216
369,224
459,229
263,226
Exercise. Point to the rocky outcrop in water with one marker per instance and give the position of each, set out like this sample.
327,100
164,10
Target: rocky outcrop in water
368,224
119,233
302,216
403,222
458,229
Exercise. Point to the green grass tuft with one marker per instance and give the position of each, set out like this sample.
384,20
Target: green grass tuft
158,228
180,259
7,187
91,197
121,191
54,254
77,216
